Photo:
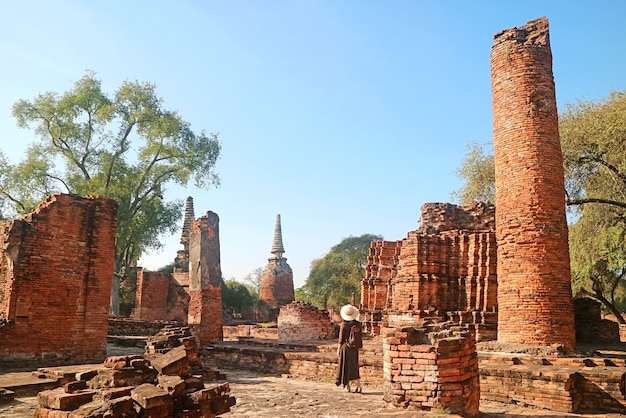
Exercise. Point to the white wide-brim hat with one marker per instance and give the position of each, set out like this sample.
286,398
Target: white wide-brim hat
349,312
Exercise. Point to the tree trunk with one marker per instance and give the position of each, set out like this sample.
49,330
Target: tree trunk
114,308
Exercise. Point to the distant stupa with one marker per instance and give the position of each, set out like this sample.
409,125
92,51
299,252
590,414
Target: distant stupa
276,281
181,263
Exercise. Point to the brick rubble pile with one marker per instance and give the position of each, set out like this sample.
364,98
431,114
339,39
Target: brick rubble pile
135,386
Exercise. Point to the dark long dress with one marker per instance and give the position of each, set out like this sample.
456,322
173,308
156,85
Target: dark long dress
348,357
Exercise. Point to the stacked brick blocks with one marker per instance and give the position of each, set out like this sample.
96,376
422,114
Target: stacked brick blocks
534,292
430,369
133,386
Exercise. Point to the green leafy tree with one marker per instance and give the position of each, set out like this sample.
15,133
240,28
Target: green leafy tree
334,278
168,268
477,170
126,146
253,279
593,139
598,270
237,296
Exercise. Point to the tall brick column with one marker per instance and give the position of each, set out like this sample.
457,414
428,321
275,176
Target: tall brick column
205,279
534,291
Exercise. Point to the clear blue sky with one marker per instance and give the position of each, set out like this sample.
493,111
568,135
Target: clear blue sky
342,116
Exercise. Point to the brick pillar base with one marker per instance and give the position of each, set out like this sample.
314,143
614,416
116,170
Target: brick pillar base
205,324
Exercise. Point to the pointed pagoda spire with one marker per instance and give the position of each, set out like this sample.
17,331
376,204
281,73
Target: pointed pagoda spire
188,220
277,245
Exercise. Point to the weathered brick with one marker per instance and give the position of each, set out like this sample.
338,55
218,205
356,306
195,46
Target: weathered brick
205,291
174,362
534,290
276,287
300,321
58,399
150,396
64,248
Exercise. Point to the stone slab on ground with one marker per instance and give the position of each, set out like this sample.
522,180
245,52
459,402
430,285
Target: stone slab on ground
25,383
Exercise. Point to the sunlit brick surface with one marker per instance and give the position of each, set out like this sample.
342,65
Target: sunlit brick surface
534,293
205,279
55,281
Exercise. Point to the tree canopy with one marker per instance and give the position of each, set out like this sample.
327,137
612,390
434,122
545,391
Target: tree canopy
593,139
253,279
237,296
335,277
477,170
126,146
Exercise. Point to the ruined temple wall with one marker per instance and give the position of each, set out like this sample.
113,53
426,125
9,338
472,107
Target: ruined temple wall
300,321
453,271
534,292
476,255
205,279
57,267
160,297
382,266
439,217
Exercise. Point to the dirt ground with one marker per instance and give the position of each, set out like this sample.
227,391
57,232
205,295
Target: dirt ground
274,396
266,396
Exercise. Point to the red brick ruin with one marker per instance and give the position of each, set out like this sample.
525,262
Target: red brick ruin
534,289
55,281
192,294
432,295
160,297
430,367
500,273
447,268
492,277
301,321
205,279
276,280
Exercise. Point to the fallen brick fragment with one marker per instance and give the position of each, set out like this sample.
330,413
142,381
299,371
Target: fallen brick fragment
58,399
150,396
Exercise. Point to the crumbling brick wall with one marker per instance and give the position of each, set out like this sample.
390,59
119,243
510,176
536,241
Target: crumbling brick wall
56,272
446,267
300,321
376,288
431,369
448,272
160,297
439,217
534,291
205,279
382,267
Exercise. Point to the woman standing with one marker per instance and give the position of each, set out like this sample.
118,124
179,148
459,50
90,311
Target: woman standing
350,340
